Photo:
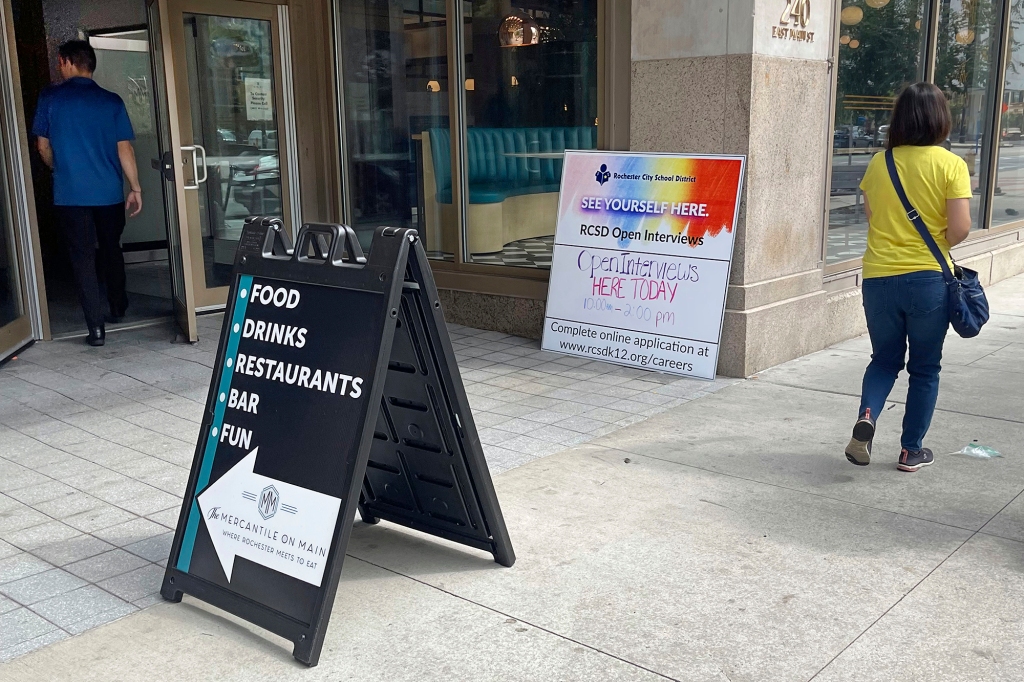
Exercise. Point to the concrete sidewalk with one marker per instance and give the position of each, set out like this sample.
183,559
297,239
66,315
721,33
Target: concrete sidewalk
724,539
96,446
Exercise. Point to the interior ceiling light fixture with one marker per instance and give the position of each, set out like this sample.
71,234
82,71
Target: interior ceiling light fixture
877,4
852,15
854,44
845,40
518,31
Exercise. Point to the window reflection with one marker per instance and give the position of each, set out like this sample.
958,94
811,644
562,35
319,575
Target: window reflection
1008,201
880,48
531,94
968,32
395,62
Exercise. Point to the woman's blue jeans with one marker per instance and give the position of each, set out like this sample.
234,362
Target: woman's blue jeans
901,310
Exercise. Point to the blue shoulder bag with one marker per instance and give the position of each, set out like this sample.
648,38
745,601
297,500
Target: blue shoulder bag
968,306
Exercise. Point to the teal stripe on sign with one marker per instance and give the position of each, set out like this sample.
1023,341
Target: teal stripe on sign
235,333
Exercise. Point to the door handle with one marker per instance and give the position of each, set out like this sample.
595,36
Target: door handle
196,151
202,150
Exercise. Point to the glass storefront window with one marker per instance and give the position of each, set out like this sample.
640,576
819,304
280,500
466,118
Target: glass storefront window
1008,199
964,71
880,52
531,93
395,69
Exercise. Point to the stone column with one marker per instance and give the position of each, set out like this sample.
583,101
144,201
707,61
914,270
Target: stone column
748,77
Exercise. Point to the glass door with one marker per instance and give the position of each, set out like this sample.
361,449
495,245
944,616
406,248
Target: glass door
222,71
15,325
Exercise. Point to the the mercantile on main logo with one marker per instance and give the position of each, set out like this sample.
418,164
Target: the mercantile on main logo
268,502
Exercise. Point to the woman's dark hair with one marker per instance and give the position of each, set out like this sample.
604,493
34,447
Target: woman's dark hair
920,117
79,53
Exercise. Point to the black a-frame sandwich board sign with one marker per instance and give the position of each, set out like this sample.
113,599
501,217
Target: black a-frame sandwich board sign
335,389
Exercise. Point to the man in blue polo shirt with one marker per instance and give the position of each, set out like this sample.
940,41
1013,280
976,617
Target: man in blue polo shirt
85,136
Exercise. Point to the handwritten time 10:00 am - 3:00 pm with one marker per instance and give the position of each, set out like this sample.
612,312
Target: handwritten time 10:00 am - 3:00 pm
612,293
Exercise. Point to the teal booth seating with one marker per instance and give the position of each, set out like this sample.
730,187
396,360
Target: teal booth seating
512,193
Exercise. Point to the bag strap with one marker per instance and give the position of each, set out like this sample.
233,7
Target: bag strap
914,217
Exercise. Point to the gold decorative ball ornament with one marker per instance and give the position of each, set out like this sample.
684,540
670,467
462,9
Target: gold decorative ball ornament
517,31
851,15
854,44
845,40
965,36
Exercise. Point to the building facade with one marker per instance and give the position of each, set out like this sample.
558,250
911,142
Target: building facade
452,116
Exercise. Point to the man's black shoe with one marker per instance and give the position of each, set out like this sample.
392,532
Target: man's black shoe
97,336
859,449
912,460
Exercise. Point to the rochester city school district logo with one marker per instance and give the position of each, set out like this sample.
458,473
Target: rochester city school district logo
268,501
602,176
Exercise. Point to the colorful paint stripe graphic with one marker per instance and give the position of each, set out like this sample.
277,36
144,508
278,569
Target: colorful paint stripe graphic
206,466
686,183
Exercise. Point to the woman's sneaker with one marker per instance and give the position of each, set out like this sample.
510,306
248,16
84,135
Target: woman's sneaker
912,460
859,449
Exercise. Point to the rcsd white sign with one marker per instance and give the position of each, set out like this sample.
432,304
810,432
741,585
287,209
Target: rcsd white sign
641,259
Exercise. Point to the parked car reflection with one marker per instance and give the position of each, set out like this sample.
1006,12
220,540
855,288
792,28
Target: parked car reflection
882,135
263,139
851,137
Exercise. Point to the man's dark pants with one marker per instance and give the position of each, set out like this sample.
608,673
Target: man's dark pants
93,235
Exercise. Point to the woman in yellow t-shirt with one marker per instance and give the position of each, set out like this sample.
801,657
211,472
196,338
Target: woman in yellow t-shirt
904,291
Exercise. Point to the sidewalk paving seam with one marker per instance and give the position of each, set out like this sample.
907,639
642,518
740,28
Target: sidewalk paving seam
121,374
185,359
32,552
148,406
900,402
819,495
39,615
916,585
96,583
1010,343
517,619
107,468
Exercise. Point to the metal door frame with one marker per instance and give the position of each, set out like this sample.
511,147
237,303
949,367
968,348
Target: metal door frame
181,263
16,181
179,121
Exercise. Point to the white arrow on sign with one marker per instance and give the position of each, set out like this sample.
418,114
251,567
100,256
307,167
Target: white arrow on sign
276,524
